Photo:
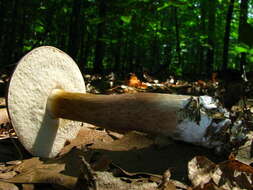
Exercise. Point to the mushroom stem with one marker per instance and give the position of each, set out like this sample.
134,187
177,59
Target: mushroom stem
146,112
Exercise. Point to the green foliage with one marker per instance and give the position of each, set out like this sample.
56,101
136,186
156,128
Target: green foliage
240,48
139,34
175,3
126,19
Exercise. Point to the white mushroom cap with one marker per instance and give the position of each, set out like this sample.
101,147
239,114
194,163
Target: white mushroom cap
37,74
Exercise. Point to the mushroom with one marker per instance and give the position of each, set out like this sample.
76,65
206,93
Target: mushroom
47,104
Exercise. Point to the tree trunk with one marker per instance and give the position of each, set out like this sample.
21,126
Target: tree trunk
227,34
75,29
100,45
211,35
201,48
178,49
2,16
242,23
10,42
117,53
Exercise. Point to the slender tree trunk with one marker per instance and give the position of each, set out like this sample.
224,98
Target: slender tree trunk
75,29
100,45
117,53
227,34
2,41
167,55
10,43
201,49
22,26
178,49
211,35
130,57
242,23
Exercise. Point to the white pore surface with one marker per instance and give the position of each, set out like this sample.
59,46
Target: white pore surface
37,74
196,133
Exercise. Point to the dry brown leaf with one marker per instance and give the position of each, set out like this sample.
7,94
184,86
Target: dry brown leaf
135,82
118,171
8,175
34,171
4,118
2,102
230,174
106,181
199,171
26,165
49,174
244,153
214,77
132,140
233,174
87,136
102,164
208,186
7,186
28,187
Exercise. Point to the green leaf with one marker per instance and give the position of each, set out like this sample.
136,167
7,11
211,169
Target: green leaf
108,41
27,48
175,3
179,71
39,29
126,19
241,49
96,21
251,51
165,5
251,59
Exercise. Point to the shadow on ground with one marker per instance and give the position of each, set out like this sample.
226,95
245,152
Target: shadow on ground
157,160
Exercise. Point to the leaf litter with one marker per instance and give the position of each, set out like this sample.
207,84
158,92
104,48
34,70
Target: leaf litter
102,159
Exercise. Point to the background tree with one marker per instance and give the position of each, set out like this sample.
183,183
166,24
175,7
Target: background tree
175,37
242,26
227,34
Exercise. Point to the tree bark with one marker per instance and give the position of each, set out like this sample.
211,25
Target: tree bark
75,29
100,45
117,53
178,49
242,23
211,35
227,34
10,42
201,48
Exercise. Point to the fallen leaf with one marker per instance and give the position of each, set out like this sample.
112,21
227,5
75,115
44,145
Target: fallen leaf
87,136
131,140
135,82
7,186
33,171
4,118
48,175
199,170
8,175
28,187
230,174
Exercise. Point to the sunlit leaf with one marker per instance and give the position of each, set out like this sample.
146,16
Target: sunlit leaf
250,51
96,21
165,5
240,49
126,19
175,3
39,29
109,41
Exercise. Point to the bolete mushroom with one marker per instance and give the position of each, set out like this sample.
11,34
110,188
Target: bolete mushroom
47,103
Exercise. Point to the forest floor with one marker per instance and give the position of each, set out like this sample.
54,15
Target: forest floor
102,159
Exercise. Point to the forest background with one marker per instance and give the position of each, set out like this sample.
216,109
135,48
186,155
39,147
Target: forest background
176,37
